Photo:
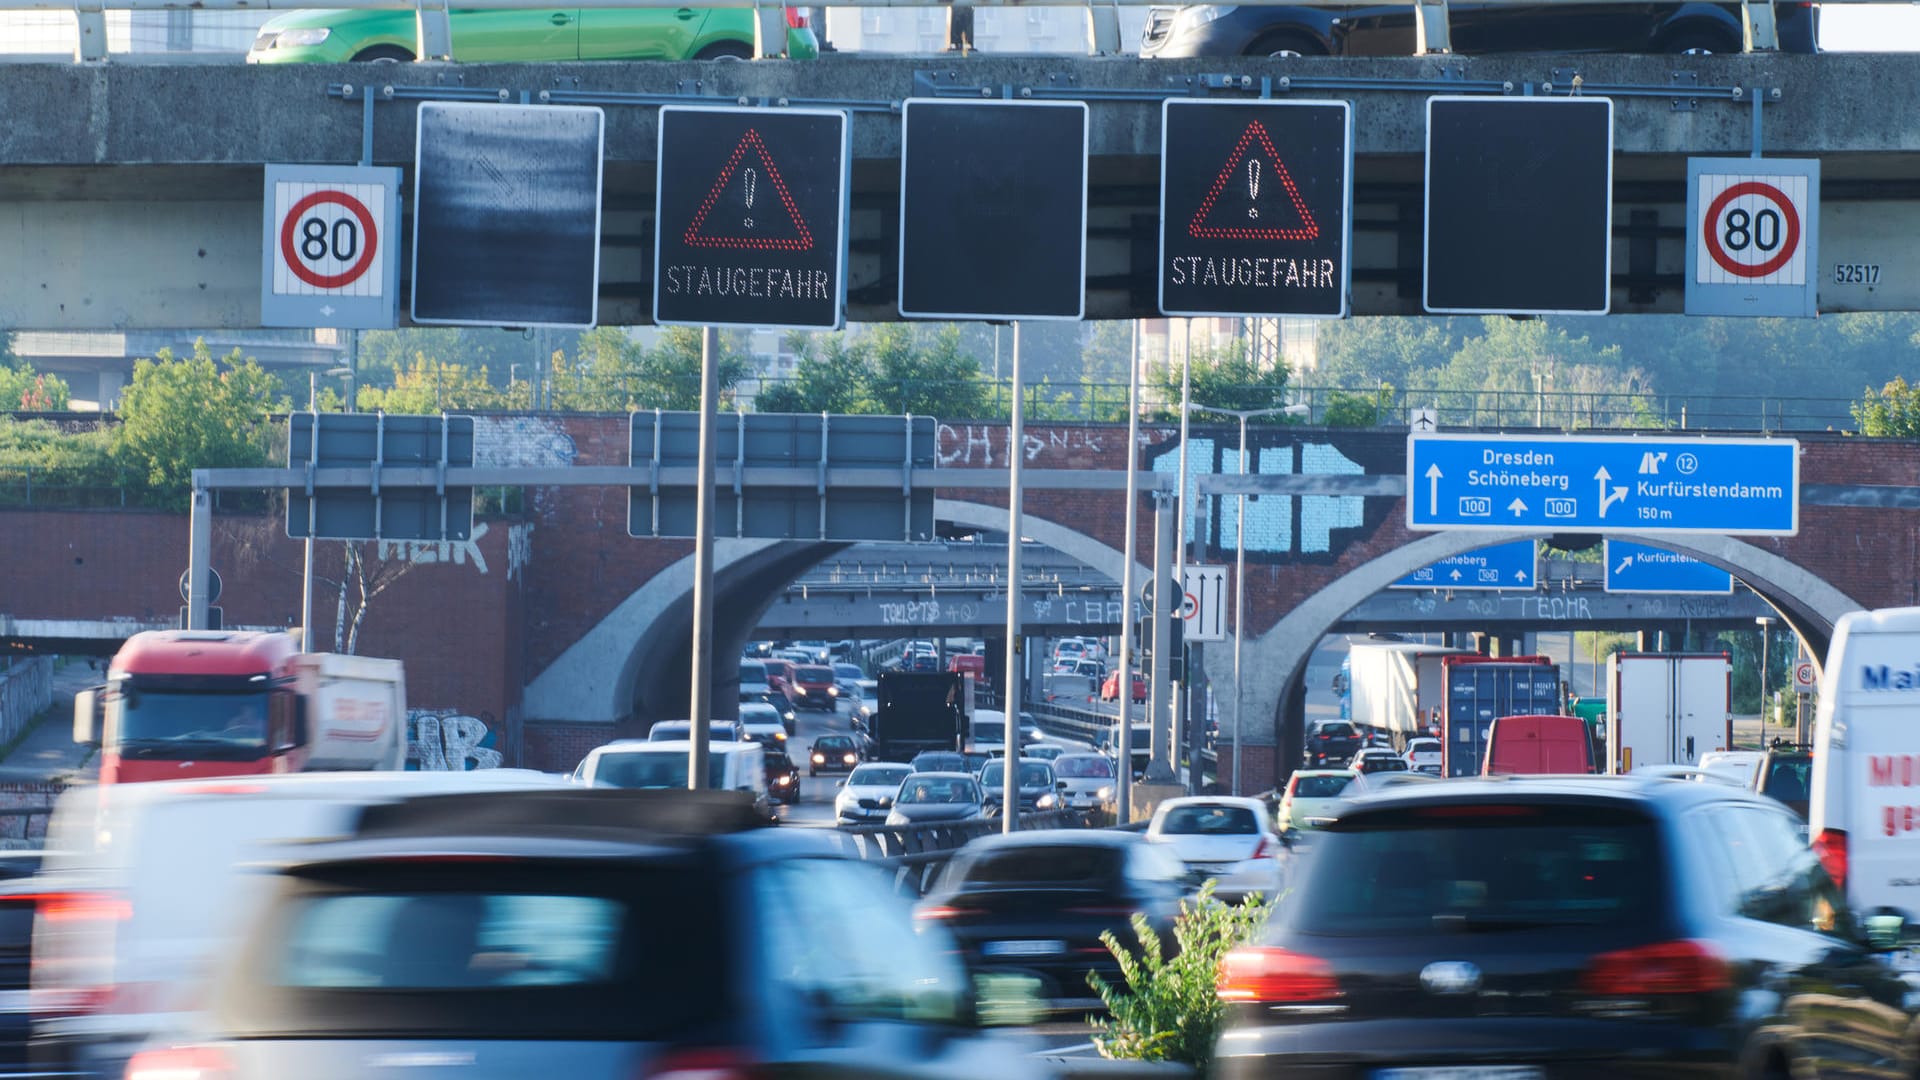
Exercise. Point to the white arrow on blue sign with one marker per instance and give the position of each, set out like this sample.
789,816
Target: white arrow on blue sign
1640,568
1502,566
1572,483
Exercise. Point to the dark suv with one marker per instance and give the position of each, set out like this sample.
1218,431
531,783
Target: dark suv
1528,927
1476,28
1786,775
618,934
1333,743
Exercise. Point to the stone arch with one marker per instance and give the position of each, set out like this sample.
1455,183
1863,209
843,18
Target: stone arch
1068,541
1277,659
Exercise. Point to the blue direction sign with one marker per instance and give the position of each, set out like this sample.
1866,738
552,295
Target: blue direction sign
1740,487
1502,566
1639,568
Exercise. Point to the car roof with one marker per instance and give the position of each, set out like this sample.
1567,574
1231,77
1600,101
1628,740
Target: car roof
1646,791
1241,802
944,776
1054,838
1325,772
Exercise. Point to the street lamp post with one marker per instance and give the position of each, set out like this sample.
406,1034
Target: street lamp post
1240,563
1766,628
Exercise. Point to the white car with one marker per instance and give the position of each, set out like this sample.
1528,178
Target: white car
1086,780
1314,797
866,795
1423,755
1737,767
763,724
1222,838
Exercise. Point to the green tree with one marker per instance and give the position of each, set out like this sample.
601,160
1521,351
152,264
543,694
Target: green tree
835,377
1891,411
60,466
29,391
1347,408
178,415
938,379
427,386
1226,378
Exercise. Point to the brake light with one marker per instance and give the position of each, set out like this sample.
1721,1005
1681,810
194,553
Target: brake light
941,911
1259,849
179,1063
1274,976
700,1063
1831,848
1670,967
75,933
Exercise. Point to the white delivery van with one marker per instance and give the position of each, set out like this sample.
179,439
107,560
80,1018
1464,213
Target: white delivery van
1864,810
632,763
146,887
1667,708
356,710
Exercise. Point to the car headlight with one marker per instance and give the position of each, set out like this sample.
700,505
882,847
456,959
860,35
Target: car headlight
312,35
819,759
780,736
1044,802
849,759
788,715
833,691
784,781
1103,794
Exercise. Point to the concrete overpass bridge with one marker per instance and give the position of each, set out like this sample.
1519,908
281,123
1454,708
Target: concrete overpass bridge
131,194
557,630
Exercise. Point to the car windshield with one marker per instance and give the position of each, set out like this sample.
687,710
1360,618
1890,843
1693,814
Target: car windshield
1032,774
1423,746
939,763
1338,731
1209,821
815,674
848,671
1082,767
1789,779
938,789
235,721
834,743
1042,864
1455,866
753,673
1385,763
878,776
654,770
1320,787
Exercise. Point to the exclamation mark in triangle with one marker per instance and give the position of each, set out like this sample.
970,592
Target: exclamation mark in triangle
1232,209
741,215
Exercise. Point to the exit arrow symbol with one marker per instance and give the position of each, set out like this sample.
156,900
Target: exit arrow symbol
1517,506
1624,563
1433,489
1606,500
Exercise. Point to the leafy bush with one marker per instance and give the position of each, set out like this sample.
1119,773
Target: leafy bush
1168,1011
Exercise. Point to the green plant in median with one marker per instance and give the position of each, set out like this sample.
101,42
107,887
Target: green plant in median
1167,1010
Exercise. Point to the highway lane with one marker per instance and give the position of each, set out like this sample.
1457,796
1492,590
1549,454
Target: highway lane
816,792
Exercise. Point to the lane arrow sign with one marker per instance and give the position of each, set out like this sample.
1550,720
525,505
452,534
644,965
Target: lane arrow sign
1624,563
1519,575
1517,506
1433,489
1456,575
1606,500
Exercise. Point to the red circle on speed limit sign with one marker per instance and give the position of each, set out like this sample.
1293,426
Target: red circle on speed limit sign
355,246
1786,236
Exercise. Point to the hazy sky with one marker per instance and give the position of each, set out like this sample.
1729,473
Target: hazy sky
1870,28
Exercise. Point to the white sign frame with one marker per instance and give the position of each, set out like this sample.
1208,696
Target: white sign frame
1206,591
289,294
1715,182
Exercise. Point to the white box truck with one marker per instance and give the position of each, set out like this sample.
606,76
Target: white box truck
1667,708
1398,687
1864,809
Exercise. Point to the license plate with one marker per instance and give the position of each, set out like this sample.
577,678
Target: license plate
1464,1073
1023,948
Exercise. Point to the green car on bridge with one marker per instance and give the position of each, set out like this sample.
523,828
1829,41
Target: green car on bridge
531,34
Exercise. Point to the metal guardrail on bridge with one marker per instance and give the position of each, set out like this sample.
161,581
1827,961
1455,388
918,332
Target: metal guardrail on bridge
434,37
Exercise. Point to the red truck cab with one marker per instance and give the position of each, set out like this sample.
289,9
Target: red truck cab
1538,745
193,703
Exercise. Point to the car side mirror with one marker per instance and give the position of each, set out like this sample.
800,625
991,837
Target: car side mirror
842,783
1061,786
85,705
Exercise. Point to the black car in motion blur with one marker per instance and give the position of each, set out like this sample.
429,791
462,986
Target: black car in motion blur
783,776
1553,927
1333,743
1476,28
1035,903
585,934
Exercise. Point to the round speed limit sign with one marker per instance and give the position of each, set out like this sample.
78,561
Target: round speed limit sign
328,250
1751,230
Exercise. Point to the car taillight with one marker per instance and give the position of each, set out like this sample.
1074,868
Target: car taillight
1670,967
1267,975
74,939
1259,849
179,1063
941,911
716,1063
1831,848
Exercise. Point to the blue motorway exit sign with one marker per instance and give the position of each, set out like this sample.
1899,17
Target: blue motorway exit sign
1502,566
1746,487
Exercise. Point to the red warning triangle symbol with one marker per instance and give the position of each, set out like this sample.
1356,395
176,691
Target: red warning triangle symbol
755,214
1241,185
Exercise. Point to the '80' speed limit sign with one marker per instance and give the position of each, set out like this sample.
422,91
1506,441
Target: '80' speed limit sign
1754,226
330,247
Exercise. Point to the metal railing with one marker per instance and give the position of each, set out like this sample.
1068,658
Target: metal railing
434,37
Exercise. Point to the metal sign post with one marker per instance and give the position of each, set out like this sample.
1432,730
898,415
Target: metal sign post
1010,701
700,700
1123,738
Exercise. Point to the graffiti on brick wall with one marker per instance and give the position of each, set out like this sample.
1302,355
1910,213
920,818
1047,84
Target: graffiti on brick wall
464,552
1311,528
984,446
521,441
447,740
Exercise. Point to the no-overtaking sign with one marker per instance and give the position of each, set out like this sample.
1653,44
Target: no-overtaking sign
330,254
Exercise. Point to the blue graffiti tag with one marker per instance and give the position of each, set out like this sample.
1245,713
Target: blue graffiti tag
1272,520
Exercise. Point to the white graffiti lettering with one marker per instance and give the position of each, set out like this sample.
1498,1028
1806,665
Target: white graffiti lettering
519,548
428,552
985,445
444,740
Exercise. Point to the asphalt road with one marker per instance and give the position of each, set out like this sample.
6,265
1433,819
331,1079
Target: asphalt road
816,792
